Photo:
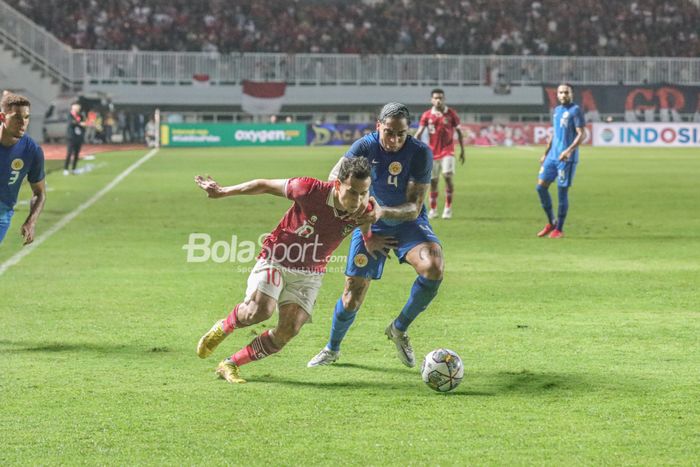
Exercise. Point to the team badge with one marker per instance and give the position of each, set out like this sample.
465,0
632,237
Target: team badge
360,260
395,168
17,164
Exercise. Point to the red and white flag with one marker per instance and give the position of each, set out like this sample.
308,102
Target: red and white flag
200,79
262,98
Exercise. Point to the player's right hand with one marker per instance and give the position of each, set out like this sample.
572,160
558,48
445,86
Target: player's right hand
544,156
365,215
209,185
380,244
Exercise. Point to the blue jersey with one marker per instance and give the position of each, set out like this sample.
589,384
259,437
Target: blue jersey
565,120
23,159
391,171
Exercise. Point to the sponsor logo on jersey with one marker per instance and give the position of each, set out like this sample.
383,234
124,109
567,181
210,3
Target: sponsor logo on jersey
17,164
307,229
395,168
360,260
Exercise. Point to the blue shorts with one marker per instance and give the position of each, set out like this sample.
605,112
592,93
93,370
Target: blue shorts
408,235
563,172
5,217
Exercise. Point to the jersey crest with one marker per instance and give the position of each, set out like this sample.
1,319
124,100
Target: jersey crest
395,168
17,164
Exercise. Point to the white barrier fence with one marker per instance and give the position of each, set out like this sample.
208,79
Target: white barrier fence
80,67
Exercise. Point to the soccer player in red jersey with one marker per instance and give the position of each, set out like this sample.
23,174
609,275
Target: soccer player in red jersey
442,123
293,259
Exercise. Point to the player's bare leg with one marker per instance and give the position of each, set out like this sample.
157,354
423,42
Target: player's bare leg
449,189
434,182
426,258
343,316
259,308
291,319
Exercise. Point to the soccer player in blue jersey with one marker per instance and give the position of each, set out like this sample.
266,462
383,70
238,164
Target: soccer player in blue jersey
401,171
20,157
560,159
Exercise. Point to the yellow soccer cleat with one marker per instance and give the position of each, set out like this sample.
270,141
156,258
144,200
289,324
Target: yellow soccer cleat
211,340
230,372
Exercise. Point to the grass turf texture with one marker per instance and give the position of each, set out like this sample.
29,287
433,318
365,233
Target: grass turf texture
581,350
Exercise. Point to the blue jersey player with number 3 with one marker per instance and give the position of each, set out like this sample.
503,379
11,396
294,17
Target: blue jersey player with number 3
401,171
20,157
560,159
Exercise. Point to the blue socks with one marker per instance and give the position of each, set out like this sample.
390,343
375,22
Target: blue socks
342,319
422,293
546,202
563,207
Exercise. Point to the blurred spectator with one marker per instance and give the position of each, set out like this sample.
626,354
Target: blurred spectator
480,27
151,133
502,85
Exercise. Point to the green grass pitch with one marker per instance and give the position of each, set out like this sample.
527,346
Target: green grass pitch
581,351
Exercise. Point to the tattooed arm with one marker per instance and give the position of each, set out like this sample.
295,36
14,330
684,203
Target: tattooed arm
415,195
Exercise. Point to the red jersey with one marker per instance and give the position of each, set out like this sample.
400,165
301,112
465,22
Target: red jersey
441,128
310,230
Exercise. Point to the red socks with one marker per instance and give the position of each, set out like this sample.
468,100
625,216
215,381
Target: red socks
448,197
231,321
261,347
433,199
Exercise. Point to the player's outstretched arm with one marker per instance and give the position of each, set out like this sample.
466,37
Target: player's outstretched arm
415,196
252,187
36,205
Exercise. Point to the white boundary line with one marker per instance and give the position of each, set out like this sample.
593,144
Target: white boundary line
17,257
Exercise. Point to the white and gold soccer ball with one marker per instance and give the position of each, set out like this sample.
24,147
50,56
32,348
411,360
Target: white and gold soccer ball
442,370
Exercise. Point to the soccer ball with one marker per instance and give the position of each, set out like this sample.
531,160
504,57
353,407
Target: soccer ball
442,370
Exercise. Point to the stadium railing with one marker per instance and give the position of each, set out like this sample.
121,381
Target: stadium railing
79,67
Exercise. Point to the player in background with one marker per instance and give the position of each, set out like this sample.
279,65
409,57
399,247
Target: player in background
20,157
560,159
442,123
291,265
401,167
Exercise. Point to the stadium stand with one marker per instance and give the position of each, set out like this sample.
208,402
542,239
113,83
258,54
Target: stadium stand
468,27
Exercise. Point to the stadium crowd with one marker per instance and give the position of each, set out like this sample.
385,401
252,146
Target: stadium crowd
502,27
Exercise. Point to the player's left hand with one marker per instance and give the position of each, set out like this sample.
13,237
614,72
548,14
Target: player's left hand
368,216
461,156
27,231
564,156
209,185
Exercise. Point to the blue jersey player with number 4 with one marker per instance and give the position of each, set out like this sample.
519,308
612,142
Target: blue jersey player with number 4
560,159
401,171
20,157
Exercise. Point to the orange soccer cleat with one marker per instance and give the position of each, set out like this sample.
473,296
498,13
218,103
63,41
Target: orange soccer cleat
547,229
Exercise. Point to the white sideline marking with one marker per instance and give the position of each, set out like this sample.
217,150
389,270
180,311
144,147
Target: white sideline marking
17,257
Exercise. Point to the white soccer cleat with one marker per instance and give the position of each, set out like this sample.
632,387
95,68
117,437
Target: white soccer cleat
403,345
432,214
324,357
447,213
